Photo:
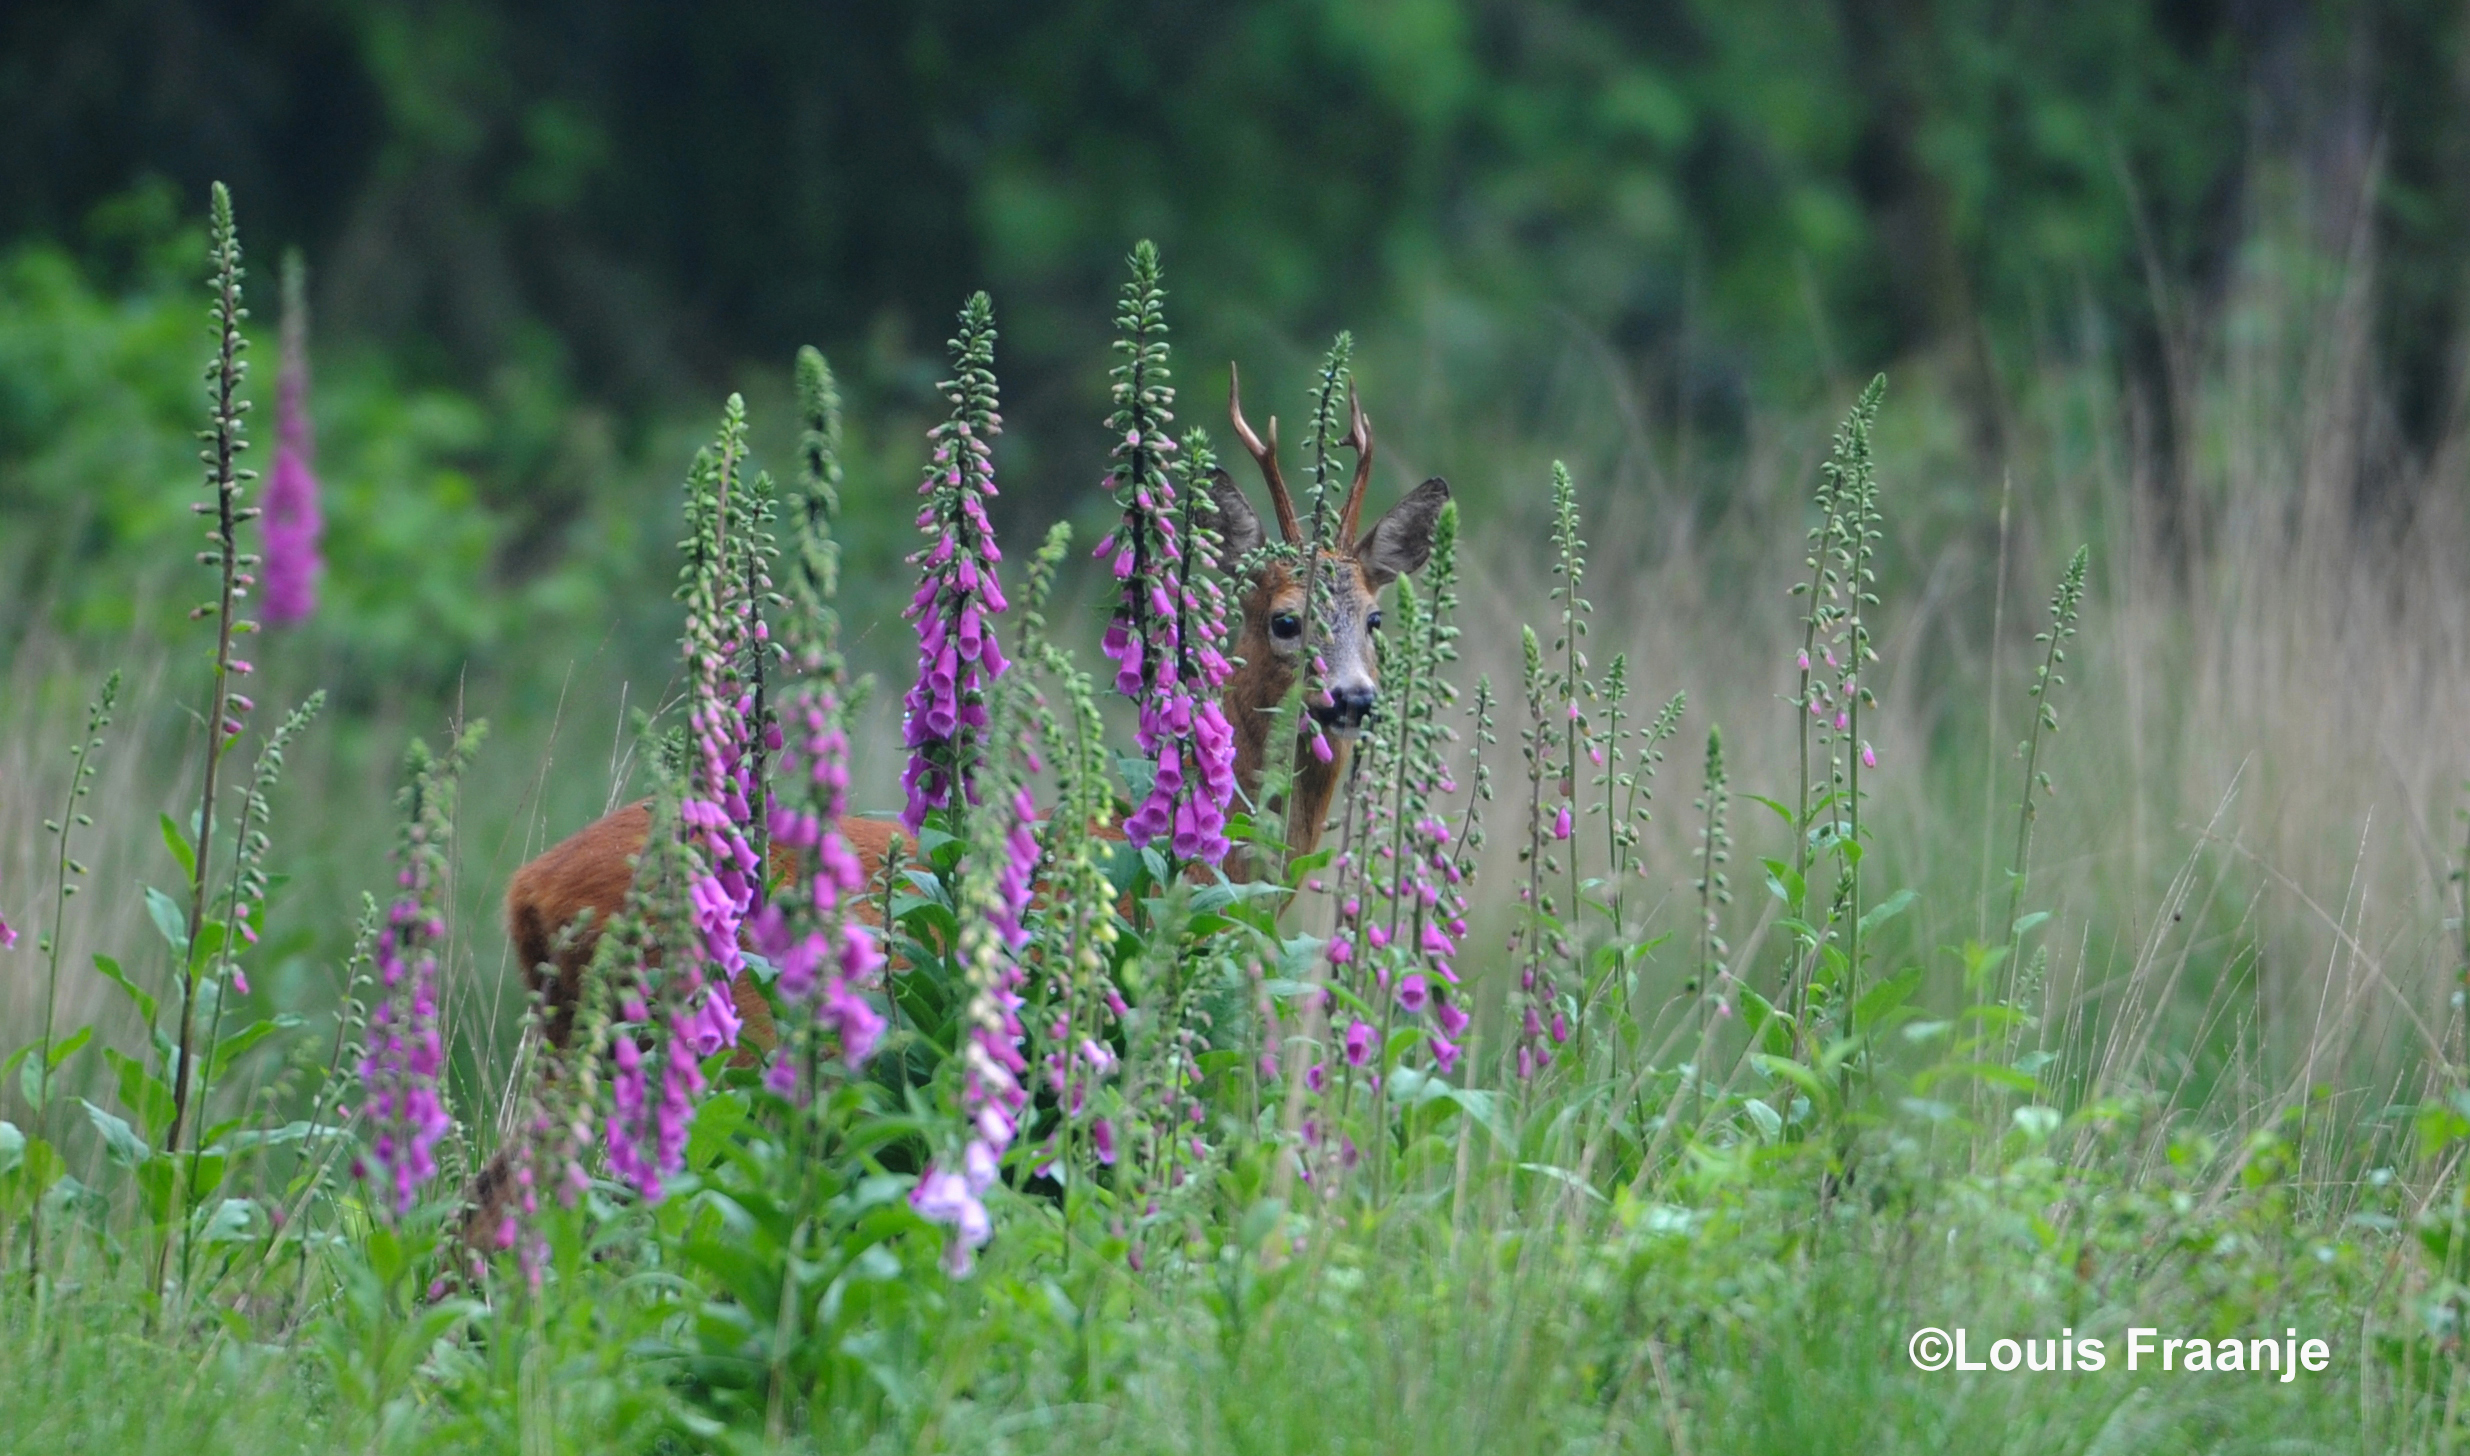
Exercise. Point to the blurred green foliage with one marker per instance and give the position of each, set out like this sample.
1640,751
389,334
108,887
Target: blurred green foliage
538,232
99,399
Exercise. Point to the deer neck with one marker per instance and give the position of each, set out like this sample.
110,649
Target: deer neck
1251,699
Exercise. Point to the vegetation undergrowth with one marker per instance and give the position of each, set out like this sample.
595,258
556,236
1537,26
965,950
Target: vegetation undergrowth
1097,1114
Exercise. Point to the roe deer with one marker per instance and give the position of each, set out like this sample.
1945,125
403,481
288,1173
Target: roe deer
592,868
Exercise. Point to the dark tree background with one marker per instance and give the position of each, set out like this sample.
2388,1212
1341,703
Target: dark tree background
624,202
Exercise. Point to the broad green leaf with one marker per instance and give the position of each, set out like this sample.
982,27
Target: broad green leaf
719,1117
1297,955
1784,882
237,1045
144,1002
119,1139
1886,910
31,1169
2036,1121
141,1091
30,1079
1797,1074
290,1132
169,919
1770,1122
69,1046
1260,1221
1767,1026
1563,1175
178,844
1990,1072
229,1223
1413,1086
2028,922
1480,1104
1782,811
212,936
1886,997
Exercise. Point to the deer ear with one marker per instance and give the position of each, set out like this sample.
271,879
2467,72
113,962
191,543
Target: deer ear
1238,526
1401,541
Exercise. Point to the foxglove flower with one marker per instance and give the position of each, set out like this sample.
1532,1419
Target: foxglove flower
400,1076
827,960
723,578
995,889
293,524
959,593
1167,636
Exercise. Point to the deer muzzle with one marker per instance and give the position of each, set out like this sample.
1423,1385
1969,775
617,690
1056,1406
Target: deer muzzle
1349,707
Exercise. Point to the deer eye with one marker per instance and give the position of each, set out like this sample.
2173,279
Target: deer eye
1373,621
1286,626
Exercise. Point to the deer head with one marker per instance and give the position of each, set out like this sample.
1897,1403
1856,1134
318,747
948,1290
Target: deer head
1351,571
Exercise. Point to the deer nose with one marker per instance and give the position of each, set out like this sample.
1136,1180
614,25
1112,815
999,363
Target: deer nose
1349,706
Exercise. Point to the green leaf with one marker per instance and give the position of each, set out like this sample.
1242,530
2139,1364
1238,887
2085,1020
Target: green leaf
1563,1175
229,1223
1770,1122
1782,811
145,1003
69,1046
119,1139
170,919
1881,1000
31,1169
1800,1076
2027,922
178,844
1413,1086
29,1075
1990,1072
1260,1221
718,1118
212,936
1886,910
141,1091
237,1045
2037,1122
1784,882
1767,1026
290,1132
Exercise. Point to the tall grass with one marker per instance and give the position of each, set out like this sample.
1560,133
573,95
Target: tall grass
2194,1066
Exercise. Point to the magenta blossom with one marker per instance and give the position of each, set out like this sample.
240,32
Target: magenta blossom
407,1054
1168,634
826,959
402,1073
959,592
994,896
293,524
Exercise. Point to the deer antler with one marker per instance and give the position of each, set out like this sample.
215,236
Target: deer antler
1265,456
1358,438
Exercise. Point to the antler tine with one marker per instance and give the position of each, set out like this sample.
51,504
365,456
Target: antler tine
1265,456
1358,438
